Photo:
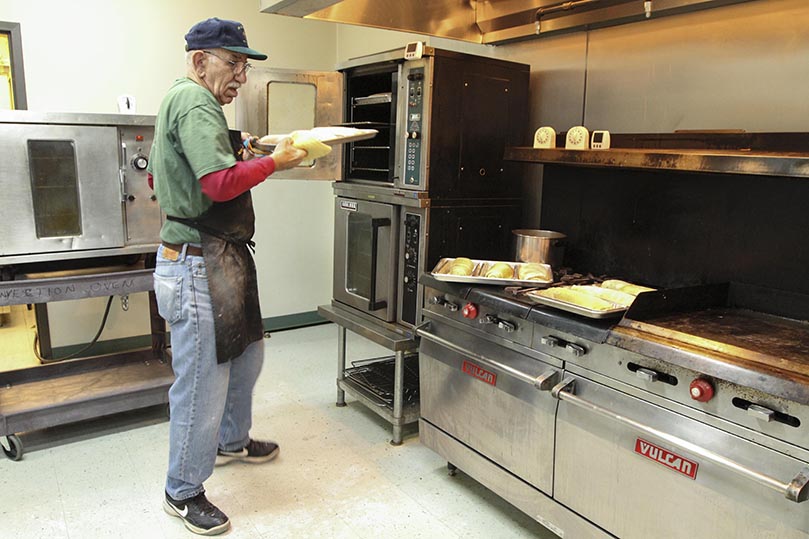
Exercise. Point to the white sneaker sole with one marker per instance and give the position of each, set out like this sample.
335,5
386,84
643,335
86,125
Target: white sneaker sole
221,460
216,530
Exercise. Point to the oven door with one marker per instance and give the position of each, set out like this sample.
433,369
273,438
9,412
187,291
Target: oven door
279,101
482,395
617,465
365,256
60,189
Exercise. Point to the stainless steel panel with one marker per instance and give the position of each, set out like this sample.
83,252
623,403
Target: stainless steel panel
255,103
699,71
488,408
99,190
672,382
552,515
142,215
596,464
519,331
351,249
446,18
74,118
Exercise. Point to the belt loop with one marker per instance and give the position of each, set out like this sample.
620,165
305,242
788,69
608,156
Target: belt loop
183,252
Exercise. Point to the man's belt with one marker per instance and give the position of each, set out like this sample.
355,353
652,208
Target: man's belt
172,251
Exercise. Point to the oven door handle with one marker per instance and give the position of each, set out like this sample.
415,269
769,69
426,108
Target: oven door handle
797,490
376,224
543,382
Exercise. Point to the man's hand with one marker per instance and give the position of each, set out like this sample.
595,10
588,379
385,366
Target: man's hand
287,156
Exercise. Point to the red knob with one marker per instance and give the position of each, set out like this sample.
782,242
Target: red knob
470,310
701,390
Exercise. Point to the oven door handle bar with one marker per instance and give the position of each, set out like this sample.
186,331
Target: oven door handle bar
797,490
543,382
376,224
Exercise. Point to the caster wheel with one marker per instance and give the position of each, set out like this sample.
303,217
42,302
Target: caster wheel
451,469
266,334
15,450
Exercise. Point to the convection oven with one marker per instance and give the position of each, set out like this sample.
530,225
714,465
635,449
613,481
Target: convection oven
432,183
74,186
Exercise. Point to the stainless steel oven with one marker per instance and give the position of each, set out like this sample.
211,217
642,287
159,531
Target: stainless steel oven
74,186
367,234
384,241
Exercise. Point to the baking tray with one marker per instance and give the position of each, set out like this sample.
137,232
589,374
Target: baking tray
480,268
576,309
326,135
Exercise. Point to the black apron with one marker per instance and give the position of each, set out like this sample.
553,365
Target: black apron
226,229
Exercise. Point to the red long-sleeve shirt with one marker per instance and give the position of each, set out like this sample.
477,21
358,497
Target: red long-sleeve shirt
228,183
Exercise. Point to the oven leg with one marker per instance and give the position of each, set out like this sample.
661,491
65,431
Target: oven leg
398,389
341,364
451,469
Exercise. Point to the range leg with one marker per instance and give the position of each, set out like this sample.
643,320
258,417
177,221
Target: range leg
398,390
341,364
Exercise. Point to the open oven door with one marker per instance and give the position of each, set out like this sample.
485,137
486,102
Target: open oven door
278,101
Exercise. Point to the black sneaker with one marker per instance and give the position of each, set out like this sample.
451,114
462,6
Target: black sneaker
254,452
198,514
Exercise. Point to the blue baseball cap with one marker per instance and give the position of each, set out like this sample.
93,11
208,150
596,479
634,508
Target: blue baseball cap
215,33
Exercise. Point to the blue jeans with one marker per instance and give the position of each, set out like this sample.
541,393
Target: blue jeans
211,403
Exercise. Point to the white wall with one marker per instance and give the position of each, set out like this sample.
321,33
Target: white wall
80,55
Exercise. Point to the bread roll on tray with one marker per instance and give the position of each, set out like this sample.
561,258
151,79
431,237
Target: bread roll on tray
576,297
500,270
623,286
618,297
534,272
461,266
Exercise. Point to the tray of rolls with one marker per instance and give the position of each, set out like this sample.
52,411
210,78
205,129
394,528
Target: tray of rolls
466,270
608,299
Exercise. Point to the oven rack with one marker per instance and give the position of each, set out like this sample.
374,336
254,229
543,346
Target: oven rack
375,378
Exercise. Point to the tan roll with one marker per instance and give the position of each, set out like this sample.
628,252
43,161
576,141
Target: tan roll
461,266
618,297
623,286
534,272
576,297
500,270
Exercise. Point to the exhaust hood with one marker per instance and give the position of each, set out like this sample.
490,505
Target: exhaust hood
486,21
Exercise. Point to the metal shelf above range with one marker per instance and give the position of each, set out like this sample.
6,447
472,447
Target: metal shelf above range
794,165
716,152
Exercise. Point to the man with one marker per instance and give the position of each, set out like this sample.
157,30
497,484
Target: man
205,278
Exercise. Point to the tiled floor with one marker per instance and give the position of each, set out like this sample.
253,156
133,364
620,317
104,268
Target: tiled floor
337,475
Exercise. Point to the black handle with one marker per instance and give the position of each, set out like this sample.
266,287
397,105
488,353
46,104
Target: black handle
376,224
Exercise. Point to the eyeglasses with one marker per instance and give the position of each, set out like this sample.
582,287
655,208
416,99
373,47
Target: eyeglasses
238,67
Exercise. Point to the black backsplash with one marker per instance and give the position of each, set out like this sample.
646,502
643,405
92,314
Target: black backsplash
670,229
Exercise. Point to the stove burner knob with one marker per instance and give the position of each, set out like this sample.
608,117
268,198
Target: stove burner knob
575,349
550,340
140,162
470,311
701,390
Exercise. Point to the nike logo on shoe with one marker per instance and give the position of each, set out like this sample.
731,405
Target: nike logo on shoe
184,512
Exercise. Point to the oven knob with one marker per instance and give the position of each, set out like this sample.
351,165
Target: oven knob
470,311
701,390
140,162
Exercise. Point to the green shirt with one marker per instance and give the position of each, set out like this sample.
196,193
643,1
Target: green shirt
190,140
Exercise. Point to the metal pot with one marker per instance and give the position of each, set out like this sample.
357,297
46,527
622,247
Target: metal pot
543,246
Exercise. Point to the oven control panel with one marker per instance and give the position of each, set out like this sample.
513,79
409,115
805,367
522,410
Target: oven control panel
411,262
479,317
415,123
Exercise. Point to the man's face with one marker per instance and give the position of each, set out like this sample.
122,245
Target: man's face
221,75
